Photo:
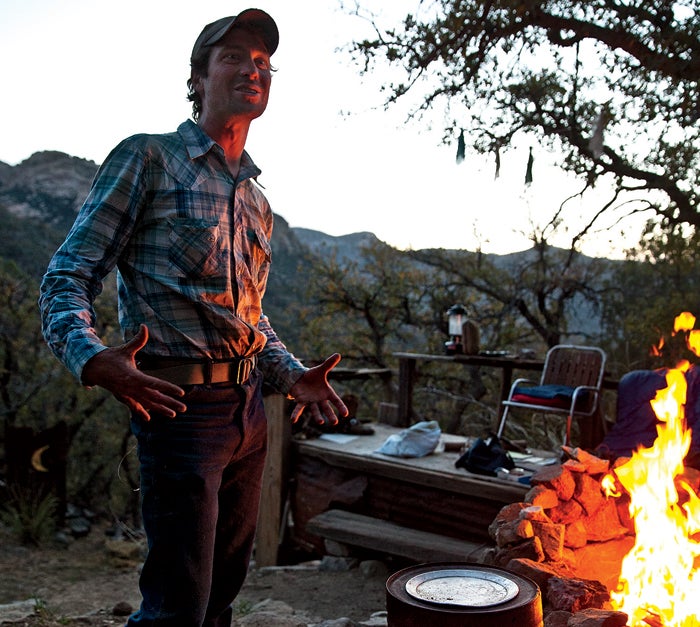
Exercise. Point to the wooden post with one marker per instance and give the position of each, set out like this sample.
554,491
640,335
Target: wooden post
274,488
407,371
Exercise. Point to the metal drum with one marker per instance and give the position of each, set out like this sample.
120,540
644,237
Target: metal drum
461,595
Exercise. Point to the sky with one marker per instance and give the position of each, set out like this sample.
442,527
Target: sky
81,75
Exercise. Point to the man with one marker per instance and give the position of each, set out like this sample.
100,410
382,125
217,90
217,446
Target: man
181,218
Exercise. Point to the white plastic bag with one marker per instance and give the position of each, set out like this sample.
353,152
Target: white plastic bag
418,440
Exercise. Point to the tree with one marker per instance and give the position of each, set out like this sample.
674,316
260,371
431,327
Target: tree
37,392
658,281
612,85
529,300
369,307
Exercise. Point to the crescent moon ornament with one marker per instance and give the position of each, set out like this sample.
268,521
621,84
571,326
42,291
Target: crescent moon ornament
36,459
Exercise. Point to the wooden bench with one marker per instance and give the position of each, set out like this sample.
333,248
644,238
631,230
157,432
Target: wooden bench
389,538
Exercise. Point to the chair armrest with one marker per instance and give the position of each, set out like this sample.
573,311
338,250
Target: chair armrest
580,391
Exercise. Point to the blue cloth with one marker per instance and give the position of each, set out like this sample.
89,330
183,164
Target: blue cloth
635,424
547,391
201,475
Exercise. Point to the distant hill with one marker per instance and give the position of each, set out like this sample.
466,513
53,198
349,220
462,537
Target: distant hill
40,197
344,246
49,186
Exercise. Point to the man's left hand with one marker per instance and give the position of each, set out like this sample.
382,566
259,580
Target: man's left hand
313,392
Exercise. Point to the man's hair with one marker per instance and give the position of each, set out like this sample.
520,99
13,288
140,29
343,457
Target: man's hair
199,66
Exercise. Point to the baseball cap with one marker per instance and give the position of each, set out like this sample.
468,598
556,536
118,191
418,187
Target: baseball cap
255,19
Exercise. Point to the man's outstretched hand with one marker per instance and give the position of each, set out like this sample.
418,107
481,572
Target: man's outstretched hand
115,370
313,393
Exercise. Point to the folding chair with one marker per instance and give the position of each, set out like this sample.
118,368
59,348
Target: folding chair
570,385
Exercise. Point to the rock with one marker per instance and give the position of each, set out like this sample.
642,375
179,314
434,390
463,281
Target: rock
530,549
508,513
267,619
576,535
537,572
543,496
17,610
337,564
604,524
534,513
566,512
558,618
337,622
377,619
551,536
588,494
337,549
370,569
270,613
598,618
574,466
513,532
79,527
558,478
122,609
592,465
574,595
62,539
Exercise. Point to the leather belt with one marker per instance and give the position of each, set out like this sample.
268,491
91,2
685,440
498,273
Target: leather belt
204,372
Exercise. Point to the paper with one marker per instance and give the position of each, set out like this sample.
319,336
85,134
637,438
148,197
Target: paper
338,438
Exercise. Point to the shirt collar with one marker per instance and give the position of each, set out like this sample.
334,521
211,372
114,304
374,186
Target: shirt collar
198,143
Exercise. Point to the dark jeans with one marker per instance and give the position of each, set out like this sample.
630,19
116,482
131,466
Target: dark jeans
201,476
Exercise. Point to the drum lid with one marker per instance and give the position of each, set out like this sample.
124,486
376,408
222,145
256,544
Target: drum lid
463,587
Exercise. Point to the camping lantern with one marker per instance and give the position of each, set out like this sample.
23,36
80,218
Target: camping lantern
456,317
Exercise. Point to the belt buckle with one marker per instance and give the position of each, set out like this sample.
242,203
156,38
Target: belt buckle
208,371
243,371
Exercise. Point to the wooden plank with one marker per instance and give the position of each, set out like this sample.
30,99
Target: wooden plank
389,538
436,470
274,493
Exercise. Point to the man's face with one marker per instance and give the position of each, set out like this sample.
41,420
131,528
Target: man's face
239,77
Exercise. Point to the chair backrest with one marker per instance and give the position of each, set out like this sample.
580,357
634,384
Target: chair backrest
567,364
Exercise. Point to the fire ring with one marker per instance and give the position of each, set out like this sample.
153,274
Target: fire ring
461,595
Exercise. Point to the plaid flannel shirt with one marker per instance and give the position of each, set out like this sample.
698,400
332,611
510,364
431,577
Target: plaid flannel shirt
192,252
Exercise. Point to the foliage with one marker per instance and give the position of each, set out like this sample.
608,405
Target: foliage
612,86
527,301
30,515
659,280
369,307
390,301
37,391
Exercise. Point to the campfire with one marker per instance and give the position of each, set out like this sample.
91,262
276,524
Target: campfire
646,497
659,582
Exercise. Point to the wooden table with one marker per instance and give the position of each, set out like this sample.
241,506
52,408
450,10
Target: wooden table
425,494
407,371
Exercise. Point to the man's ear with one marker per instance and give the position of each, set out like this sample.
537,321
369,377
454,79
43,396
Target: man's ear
196,81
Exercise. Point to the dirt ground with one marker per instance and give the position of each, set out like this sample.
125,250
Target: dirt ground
81,584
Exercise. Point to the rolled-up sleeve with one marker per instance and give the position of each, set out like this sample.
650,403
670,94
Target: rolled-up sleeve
280,368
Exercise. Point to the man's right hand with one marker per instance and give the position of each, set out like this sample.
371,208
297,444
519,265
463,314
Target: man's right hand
115,370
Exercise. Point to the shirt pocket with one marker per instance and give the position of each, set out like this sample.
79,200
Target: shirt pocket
258,254
195,247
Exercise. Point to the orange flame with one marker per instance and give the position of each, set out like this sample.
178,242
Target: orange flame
607,484
658,579
657,349
684,321
694,342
